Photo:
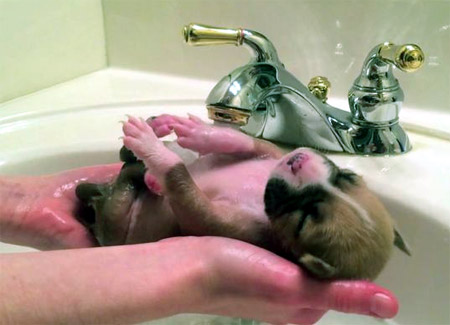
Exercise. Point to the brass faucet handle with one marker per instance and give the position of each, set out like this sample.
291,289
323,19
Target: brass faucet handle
320,87
407,57
196,34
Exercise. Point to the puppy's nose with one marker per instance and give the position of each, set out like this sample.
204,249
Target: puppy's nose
296,162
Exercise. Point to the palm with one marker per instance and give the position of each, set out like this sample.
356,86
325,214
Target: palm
49,218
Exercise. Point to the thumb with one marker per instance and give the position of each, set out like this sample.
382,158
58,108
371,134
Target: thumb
359,297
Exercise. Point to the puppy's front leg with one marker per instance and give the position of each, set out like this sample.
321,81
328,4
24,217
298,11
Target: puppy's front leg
195,212
196,135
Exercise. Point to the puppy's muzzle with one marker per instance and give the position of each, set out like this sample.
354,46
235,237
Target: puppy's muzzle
296,162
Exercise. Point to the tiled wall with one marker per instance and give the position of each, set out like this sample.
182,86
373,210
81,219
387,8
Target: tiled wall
313,37
44,42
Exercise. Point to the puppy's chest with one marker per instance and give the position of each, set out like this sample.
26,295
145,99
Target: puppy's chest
237,182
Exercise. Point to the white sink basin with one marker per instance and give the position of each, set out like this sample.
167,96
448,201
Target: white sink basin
414,187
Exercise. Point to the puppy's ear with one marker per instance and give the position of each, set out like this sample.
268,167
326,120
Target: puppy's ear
317,266
400,243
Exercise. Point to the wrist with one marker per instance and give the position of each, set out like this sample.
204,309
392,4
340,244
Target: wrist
119,284
191,274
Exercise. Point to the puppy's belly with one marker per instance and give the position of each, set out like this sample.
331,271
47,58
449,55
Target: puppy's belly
239,183
223,179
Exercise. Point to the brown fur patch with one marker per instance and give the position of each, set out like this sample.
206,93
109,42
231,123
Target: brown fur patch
340,237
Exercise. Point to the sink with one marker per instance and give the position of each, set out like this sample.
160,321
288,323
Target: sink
414,187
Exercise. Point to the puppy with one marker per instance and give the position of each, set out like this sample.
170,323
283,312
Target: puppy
299,205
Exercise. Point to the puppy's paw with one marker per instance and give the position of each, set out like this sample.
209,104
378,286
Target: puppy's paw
162,125
192,133
204,138
140,138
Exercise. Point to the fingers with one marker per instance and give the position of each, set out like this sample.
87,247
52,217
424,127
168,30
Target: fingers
285,283
306,316
359,297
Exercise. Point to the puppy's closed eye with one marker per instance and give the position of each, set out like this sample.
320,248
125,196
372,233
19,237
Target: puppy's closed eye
278,198
345,178
281,199
301,222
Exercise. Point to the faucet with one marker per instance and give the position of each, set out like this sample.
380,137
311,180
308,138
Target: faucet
265,100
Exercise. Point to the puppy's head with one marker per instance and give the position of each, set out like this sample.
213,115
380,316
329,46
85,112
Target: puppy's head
327,218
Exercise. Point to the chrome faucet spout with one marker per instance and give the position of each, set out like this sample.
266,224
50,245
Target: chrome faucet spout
261,48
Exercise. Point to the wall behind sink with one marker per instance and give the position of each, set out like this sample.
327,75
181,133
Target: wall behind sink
45,42
319,37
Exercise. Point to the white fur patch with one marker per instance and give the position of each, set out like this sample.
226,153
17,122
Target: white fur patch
362,213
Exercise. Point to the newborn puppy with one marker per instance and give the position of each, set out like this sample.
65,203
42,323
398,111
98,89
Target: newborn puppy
299,205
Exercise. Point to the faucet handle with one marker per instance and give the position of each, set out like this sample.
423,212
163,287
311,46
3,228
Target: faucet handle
407,57
320,87
196,34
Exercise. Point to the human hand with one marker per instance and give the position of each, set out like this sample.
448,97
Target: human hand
212,275
40,211
250,282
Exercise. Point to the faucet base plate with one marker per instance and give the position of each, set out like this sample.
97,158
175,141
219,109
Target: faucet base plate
370,140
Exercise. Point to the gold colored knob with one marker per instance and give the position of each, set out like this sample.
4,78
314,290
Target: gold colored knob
408,57
320,87
196,34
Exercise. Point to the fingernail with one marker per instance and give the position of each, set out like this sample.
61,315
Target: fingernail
383,306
